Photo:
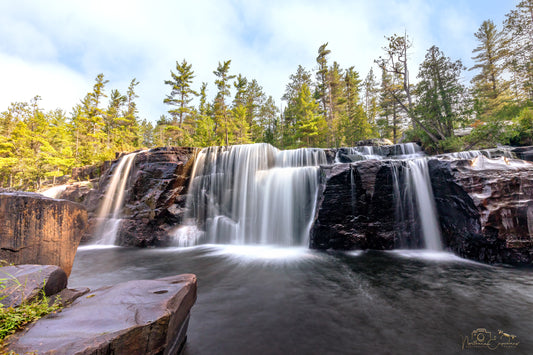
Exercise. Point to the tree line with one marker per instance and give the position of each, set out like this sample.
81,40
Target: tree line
327,106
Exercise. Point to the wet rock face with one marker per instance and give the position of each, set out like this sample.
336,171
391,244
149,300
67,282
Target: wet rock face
486,208
39,230
525,153
135,317
155,200
157,194
355,208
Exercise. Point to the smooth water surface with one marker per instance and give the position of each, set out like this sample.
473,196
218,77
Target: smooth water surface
268,300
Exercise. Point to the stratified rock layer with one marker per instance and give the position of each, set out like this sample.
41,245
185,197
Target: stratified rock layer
135,317
39,230
485,208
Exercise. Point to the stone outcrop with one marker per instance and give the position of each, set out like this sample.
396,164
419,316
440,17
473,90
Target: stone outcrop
26,282
485,208
135,317
39,230
156,199
156,196
354,207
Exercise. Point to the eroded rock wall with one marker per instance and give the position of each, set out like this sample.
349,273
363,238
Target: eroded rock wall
486,208
156,200
39,230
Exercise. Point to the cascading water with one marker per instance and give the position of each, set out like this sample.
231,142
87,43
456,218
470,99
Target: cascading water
251,194
414,199
397,151
417,180
111,206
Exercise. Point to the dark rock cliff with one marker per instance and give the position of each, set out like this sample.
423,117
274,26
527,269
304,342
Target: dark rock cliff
355,208
157,196
485,208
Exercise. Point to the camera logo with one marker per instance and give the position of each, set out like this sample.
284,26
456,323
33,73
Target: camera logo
482,338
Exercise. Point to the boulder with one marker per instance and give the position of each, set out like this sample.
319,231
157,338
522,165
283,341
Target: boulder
485,208
39,230
135,317
26,282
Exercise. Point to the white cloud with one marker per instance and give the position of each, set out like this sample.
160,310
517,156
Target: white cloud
22,80
65,44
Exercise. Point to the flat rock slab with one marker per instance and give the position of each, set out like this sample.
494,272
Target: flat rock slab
134,317
25,282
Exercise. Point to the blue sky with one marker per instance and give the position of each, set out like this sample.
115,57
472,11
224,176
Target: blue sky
55,49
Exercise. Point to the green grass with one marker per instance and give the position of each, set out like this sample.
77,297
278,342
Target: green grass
15,318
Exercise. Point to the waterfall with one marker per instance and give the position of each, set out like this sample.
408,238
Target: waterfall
110,210
415,202
251,194
397,151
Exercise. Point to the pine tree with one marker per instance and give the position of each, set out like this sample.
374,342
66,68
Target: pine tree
371,96
254,101
181,92
396,64
519,56
310,126
489,86
441,96
354,125
223,120
288,125
391,116
323,88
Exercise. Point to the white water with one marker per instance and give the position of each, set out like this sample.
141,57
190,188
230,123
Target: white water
110,210
419,179
251,194
54,192
415,202
397,151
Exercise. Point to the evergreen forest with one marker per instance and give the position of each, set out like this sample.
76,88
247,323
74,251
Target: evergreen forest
326,106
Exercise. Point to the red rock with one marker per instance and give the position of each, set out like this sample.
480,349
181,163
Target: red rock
39,230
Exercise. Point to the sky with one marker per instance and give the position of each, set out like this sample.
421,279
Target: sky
55,49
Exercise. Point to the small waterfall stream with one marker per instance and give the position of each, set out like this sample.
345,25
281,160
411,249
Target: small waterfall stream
110,210
418,183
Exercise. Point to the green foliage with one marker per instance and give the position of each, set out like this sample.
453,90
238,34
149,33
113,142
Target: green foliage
328,106
522,133
15,318
181,93
442,103
518,29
